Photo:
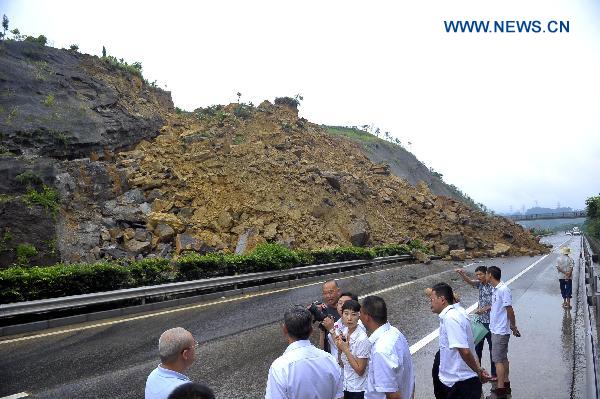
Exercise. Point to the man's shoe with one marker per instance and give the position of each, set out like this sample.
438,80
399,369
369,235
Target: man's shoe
498,393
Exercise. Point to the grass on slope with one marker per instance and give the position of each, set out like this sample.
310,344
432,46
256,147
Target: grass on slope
355,134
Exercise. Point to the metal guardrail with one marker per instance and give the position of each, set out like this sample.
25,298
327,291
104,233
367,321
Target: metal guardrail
591,313
77,301
540,216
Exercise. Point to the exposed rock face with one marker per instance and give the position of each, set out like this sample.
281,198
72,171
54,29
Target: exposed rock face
63,104
219,179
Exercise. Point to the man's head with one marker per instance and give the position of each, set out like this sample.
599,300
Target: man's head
297,323
350,313
344,297
441,296
373,312
493,275
192,390
177,349
480,272
331,293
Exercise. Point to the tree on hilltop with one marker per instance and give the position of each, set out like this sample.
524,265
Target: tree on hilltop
4,26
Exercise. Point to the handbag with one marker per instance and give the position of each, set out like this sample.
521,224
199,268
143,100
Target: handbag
479,330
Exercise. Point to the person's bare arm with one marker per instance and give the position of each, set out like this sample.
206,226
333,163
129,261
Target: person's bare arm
467,356
464,276
358,364
511,319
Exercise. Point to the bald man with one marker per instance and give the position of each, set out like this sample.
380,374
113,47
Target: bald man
177,350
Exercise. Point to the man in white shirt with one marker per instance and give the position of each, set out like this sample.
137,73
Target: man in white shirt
303,371
502,322
390,373
459,370
177,350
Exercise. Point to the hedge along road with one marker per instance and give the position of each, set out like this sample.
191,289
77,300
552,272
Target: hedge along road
239,337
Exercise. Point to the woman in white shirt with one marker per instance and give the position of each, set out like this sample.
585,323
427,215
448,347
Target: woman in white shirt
354,347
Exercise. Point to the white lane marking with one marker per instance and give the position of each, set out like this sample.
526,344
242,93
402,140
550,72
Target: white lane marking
414,348
164,312
16,396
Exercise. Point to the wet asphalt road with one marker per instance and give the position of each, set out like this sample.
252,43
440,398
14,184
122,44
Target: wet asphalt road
240,338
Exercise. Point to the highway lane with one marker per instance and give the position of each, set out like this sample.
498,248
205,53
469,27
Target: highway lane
239,339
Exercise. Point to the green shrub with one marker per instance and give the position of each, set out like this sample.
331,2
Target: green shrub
287,102
134,68
24,253
193,266
271,257
342,254
392,249
19,283
28,178
47,197
418,245
41,39
49,100
242,111
74,47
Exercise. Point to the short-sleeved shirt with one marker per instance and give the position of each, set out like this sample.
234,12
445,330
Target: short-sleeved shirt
485,299
455,332
564,262
304,372
390,364
161,382
360,347
339,326
501,298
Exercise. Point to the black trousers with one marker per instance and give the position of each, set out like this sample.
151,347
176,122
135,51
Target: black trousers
468,389
354,395
439,389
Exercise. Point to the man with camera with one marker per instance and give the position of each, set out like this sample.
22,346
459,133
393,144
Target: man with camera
326,312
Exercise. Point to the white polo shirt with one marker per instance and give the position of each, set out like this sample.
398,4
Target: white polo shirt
455,332
501,297
161,382
304,372
390,364
360,347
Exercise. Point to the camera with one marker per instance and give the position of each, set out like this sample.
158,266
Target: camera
317,312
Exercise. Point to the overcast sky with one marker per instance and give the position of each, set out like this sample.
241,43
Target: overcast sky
509,118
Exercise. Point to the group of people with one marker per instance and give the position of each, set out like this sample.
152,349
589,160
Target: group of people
360,355
457,370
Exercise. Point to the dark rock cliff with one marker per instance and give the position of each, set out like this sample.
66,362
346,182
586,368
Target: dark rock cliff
63,116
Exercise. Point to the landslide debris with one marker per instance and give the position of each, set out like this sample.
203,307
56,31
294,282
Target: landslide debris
227,178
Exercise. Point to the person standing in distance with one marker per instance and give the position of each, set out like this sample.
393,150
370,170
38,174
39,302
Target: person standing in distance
502,322
484,306
303,371
390,373
564,266
177,351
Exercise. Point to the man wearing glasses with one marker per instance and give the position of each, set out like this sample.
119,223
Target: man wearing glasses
177,350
